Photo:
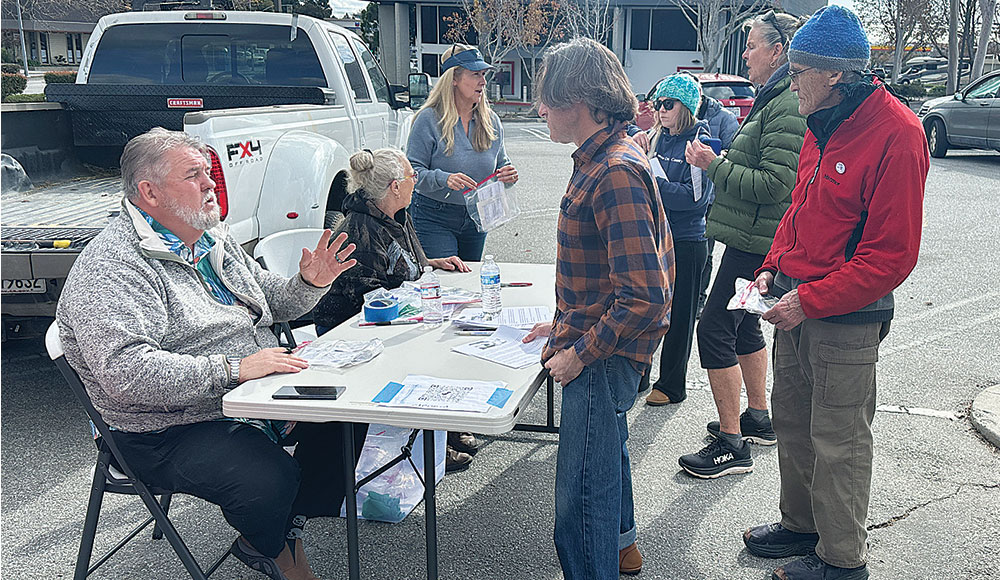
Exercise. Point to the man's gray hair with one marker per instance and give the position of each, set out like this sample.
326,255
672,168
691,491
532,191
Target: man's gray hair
585,71
372,172
143,155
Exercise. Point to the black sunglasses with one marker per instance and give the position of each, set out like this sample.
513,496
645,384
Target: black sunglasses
777,27
665,104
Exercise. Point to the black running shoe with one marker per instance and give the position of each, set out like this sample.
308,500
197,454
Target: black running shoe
718,458
812,568
774,541
255,560
752,431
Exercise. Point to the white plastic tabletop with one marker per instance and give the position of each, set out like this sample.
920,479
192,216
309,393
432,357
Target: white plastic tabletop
409,349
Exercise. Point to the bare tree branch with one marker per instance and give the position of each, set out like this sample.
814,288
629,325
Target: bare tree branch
716,21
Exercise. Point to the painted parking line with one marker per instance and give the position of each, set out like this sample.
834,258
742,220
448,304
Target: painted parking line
901,410
536,132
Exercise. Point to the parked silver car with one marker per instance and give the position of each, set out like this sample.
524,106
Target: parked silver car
970,119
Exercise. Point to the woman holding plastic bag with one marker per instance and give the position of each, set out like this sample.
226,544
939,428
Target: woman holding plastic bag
388,251
456,143
686,194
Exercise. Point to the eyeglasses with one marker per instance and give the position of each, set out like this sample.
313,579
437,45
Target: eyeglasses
412,176
770,16
665,104
794,75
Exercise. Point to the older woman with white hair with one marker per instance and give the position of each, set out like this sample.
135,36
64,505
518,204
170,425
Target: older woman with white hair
753,184
455,143
388,252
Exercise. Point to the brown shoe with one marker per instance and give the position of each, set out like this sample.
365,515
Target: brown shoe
464,442
656,398
456,460
294,564
629,559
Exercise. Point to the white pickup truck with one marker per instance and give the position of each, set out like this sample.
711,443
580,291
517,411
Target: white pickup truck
276,167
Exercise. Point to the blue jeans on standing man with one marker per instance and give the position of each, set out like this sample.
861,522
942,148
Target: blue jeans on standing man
446,229
593,474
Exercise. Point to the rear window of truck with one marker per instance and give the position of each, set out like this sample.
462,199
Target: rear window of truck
206,54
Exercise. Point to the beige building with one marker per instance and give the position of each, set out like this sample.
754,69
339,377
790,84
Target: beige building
56,41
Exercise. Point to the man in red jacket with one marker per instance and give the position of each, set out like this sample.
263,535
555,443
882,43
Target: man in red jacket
849,238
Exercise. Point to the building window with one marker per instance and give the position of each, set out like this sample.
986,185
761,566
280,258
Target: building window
43,43
69,48
436,21
673,31
33,52
431,64
79,46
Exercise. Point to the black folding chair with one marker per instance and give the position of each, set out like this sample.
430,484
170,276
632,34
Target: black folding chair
113,475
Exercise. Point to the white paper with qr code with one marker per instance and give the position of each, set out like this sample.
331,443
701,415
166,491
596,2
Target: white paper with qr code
447,394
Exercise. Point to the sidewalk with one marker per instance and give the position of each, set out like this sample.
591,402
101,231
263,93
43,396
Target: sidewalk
985,414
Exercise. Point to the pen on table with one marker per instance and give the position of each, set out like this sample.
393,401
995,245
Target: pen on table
515,284
417,320
474,332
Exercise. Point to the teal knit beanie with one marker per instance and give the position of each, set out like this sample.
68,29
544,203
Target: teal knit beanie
684,88
833,39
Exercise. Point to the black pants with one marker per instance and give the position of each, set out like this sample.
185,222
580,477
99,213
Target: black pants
706,274
689,262
236,466
724,335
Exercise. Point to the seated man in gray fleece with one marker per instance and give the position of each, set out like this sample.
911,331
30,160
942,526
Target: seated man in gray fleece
162,314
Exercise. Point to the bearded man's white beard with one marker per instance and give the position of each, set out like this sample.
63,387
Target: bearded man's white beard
197,219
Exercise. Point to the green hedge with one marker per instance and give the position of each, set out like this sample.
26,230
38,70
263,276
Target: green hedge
10,68
7,55
13,84
914,89
25,98
60,77
936,91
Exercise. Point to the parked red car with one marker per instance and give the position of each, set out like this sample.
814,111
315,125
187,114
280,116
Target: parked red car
734,92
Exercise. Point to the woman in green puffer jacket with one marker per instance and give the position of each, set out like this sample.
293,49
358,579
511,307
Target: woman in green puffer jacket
753,184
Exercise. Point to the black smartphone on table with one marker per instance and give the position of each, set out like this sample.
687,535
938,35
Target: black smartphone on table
329,393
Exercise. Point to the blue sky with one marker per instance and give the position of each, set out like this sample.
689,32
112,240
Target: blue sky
346,6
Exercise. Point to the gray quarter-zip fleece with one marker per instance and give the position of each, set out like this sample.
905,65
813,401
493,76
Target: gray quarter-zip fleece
146,335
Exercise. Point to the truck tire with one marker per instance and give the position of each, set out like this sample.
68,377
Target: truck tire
937,138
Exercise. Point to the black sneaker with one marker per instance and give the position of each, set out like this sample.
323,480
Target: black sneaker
464,442
255,560
774,541
718,458
752,431
812,568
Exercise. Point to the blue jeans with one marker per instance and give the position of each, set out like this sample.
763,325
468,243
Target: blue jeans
445,229
593,475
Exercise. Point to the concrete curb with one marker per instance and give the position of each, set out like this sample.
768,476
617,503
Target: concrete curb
986,414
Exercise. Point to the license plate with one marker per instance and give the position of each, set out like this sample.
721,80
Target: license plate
734,110
26,286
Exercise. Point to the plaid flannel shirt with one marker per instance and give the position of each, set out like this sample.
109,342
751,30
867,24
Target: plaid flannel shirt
615,259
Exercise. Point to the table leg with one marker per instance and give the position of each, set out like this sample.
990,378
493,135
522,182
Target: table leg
550,388
351,504
430,507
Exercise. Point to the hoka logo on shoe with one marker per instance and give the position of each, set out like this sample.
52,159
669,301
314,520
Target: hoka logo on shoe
723,458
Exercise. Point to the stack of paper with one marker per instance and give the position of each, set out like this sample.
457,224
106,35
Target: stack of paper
520,317
506,347
425,392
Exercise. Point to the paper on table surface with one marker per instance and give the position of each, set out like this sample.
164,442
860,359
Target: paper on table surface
521,317
505,347
426,392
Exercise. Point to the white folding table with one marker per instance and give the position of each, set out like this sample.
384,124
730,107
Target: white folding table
410,349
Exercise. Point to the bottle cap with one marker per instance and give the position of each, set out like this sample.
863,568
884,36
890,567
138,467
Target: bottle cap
428,268
489,257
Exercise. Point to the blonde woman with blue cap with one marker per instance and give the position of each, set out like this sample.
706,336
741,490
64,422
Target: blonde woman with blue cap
456,142
686,195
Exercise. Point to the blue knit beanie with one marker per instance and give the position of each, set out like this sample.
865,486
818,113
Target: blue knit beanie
833,39
683,87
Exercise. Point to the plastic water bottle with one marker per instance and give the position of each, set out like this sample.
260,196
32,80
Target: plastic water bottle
430,298
489,280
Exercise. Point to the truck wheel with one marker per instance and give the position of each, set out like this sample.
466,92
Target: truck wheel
937,139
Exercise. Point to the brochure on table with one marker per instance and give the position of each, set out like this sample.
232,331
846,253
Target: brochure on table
506,347
425,392
520,317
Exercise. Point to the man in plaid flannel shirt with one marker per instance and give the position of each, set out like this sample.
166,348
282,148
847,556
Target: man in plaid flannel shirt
614,279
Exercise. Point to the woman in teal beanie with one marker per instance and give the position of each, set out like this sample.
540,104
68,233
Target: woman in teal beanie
686,194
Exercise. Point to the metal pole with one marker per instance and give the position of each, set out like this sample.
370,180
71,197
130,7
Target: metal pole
20,31
953,47
430,506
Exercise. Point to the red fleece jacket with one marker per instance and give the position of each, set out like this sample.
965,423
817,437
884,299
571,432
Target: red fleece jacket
876,161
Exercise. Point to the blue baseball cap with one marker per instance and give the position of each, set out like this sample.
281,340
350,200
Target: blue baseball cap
470,59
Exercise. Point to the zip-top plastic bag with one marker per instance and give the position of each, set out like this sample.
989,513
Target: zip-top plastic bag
491,203
749,298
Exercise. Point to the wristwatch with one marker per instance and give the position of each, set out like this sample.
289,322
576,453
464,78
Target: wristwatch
234,371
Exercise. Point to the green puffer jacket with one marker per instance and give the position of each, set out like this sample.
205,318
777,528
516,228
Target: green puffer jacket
753,182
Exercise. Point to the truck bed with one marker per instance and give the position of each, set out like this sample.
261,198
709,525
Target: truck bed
86,203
